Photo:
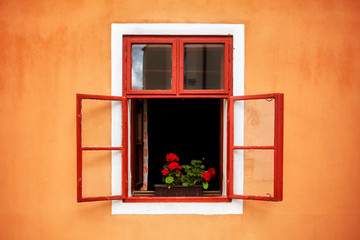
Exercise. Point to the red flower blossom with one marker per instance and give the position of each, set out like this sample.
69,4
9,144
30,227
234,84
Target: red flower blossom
174,165
171,157
212,172
206,176
164,171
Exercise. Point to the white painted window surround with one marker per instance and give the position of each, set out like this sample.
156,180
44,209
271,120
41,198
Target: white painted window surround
117,33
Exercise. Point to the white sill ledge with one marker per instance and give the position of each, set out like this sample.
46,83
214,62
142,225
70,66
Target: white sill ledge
217,208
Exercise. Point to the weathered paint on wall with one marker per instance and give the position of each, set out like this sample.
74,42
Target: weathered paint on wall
51,50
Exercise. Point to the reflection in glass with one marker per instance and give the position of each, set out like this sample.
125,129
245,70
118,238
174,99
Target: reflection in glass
95,120
204,66
151,66
254,122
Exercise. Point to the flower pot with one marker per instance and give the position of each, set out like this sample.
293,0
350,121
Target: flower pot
163,190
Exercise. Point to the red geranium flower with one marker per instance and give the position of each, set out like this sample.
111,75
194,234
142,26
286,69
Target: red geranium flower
164,171
212,172
171,157
174,165
206,176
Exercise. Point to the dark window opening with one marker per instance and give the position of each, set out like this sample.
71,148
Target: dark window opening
190,128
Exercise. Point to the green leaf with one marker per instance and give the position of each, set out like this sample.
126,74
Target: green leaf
205,185
185,184
169,180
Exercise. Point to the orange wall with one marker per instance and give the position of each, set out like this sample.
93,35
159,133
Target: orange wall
51,50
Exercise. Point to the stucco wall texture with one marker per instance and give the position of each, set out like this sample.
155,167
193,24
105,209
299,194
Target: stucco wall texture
308,50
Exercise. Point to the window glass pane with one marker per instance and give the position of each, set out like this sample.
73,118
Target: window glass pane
151,66
97,117
257,167
254,122
204,66
96,173
96,123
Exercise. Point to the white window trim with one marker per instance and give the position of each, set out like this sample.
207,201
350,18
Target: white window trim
117,33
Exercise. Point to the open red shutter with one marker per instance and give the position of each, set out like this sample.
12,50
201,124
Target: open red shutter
101,154
256,147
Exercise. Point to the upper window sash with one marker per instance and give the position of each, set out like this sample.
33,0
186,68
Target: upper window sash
199,65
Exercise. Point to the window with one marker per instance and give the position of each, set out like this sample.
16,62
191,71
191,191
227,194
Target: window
190,77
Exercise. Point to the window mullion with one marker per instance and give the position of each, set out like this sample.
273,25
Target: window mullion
179,70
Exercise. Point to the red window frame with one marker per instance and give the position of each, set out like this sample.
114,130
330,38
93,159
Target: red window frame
81,148
177,89
219,198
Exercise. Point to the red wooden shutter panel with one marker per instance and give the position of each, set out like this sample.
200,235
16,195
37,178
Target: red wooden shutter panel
101,149
259,154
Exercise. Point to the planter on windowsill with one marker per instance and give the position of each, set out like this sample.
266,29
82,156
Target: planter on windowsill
163,190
